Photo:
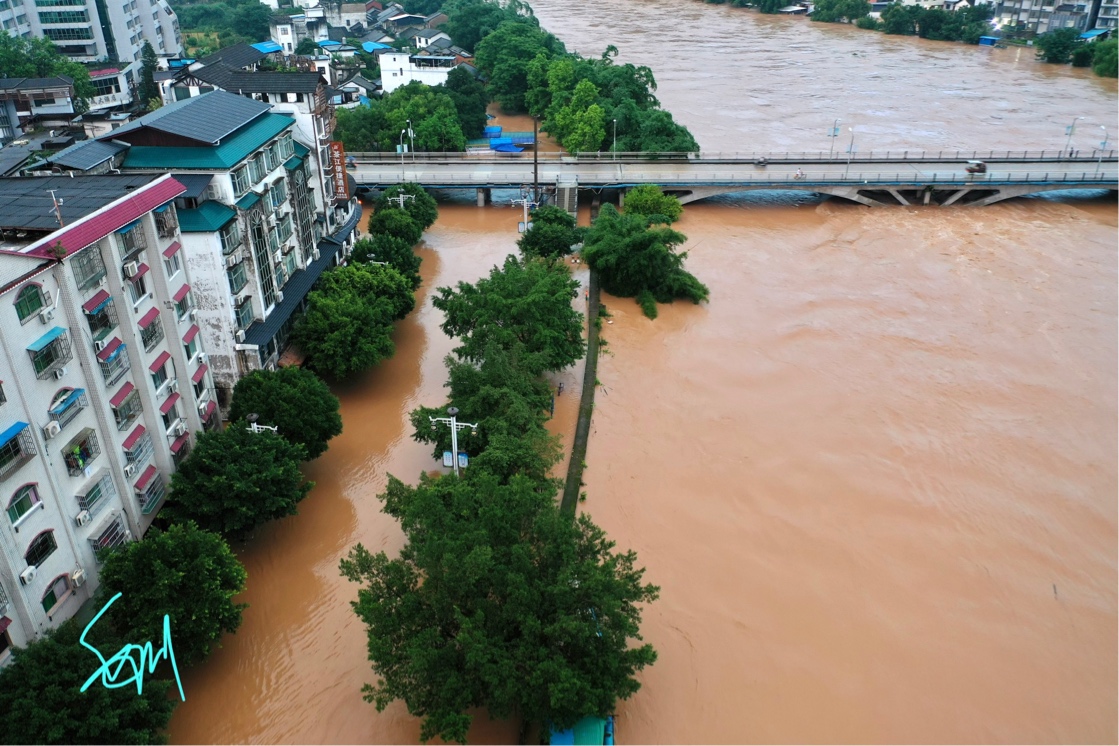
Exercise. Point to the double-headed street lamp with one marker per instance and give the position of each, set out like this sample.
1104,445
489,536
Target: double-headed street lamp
1103,147
615,148
455,427
833,134
850,151
402,133
1069,131
253,418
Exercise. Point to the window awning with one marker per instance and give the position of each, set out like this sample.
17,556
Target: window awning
181,293
191,333
162,208
134,436
70,399
160,361
165,407
210,409
170,250
42,342
200,373
111,350
142,270
180,442
127,228
145,478
12,432
97,302
147,319
248,201
4,622
121,395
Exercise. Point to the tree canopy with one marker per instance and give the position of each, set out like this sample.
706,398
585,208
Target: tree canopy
148,90
234,480
382,247
186,573
1105,61
498,601
397,223
348,325
38,57
526,302
650,201
43,702
552,234
836,11
293,399
242,20
1057,46
634,260
421,207
379,125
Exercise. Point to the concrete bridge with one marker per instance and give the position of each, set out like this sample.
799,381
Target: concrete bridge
877,178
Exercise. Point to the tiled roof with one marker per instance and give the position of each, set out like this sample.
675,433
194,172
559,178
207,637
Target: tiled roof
16,84
239,55
206,218
207,118
221,158
239,81
195,183
86,154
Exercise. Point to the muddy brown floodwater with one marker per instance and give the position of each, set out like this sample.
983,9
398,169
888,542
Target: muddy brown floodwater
875,477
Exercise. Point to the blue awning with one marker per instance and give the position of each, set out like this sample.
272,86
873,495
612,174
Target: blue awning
65,403
12,432
1094,33
162,208
128,227
46,339
268,47
329,43
372,46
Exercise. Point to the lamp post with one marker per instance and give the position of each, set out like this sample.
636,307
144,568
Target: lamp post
850,151
402,133
1069,131
455,427
411,141
833,134
255,428
1103,147
615,148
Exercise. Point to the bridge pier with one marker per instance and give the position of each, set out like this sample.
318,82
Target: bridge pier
484,197
621,198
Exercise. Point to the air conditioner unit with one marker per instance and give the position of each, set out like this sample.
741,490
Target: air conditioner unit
48,299
60,373
28,575
240,335
131,268
241,298
278,257
315,255
193,314
52,429
130,470
202,358
279,296
202,407
46,315
83,518
77,578
99,344
233,259
127,535
172,385
180,428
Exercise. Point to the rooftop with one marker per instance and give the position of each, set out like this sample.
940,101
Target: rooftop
25,203
229,79
222,157
17,84
207,118
239,55
86,154
206,218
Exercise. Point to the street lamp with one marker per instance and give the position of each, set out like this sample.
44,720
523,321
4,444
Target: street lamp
833,134
850,150
455,427
1069,131
255,428
411,141
402,133
615,139
1103,147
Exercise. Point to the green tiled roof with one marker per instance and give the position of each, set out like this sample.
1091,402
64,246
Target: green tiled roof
234,149
300,150
293,163
206,218
248,201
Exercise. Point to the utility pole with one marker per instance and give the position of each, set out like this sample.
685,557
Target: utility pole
535,162
455,427
255,428
525,202
833,135
400,199
57,212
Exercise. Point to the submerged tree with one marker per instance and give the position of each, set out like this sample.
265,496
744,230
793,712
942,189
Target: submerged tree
552,234
419,205
650,201
293,399
398,253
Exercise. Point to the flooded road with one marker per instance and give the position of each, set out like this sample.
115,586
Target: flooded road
875,477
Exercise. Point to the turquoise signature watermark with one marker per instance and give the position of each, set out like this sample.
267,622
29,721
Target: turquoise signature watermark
109,673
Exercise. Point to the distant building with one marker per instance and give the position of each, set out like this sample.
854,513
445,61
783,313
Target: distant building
26,100
401,68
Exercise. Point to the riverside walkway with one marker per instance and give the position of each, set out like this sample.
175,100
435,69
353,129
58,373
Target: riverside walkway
876,178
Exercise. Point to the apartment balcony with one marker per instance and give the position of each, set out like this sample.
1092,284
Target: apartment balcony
17,447
114,534
69,408
80,452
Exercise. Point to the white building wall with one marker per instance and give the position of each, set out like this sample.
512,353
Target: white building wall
397,69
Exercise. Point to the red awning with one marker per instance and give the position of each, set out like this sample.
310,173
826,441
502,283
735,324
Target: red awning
210,409
121,395
147,319
142,270
4,622
159,361
181,293
191,332
180,442
95,301
170,250
134,436
108,350
146,477
165,407
200,373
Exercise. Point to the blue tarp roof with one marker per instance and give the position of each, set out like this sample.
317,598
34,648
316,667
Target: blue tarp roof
372,46
507,147
46,339
12,432
268,47
1093,33
329,43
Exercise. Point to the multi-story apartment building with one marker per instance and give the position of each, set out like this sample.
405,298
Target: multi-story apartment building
104,381
254,229
1042,16
23,100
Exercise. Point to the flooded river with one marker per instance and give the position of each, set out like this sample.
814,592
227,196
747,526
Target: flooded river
875,477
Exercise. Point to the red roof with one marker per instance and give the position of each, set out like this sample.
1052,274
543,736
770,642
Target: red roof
88,230
142,270
146,477
181,293
165,407
121,395
180,442
104,71
95,301
159,361
200,373
191,333
109,349
147,319
134,436
170,250
210,408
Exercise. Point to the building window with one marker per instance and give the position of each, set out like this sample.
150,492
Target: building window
64,16
151,334
159,376
191,347
58,592
131,241
230,237
102,318
17,448
25,498
80,452
172,264
3,396
138,447
115,534
88,267
263,262
41,547
287,145
129,408
30,301
152,493
55,3
183,302
238,277
241,182
113,360
166,223
67,404
137,288
50,352
68,34
256,168
283,228
244,313
98,496
171,414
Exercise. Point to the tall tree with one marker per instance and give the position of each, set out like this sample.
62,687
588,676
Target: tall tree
292,399
552,234
526,302
650,201
38,57
1057,46
148,88
397,223
498,601
185,573
382,247
234,480
470,99
419,205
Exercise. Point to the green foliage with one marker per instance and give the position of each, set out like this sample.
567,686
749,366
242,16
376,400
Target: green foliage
1057,46
240,20
498,601
900,19
43,702
293,399
633,259
234,480
1082,56
148,88
364,129
525,302
38,57
348,325
186,573
504,56
381,247
552,235
422,7
1105,61
840,11
432,111
768,6
310,48
866,22
650,201
397,223
470,99
421,208
469,21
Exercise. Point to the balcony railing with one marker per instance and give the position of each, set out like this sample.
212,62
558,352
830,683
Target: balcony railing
98,496
16,452
80,452
166,223
152,334
152,495
65,412
114,534
52,357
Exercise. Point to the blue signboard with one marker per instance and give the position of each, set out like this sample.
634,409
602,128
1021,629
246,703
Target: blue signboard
463,460
447,459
